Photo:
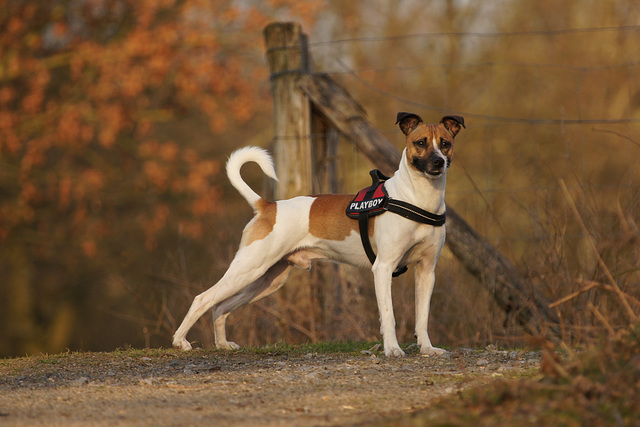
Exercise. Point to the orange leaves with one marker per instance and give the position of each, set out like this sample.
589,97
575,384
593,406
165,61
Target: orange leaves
15,26
307,10
218,123
89,248
168,152
148,149
172,172
34,157
7,94
60,29
154,224
207,203
230,14
70,126
200,174
87,92
77,63
242,109
9,141
64,193
160,161
91,183
111,119
30,193
33,101
156,174
192,229
199,184
134,82
82,189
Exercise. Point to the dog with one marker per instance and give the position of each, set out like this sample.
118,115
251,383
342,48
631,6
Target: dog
296,231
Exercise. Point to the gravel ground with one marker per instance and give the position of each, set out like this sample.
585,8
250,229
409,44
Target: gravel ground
270,388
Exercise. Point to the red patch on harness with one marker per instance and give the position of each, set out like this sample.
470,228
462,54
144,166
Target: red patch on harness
373,202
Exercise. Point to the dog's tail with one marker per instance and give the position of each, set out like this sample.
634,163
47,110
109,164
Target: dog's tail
246,155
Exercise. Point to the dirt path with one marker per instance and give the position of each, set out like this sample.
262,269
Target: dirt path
289,388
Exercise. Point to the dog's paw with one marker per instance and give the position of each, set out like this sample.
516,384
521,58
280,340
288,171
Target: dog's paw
432,351
227,345
182,344
393,352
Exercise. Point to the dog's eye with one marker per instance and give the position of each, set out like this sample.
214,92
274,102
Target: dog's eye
444,143
420,142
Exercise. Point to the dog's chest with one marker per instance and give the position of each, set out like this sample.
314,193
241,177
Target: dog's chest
425,242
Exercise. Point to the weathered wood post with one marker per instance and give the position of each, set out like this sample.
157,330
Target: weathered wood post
305,151
288,58
287,55
328,281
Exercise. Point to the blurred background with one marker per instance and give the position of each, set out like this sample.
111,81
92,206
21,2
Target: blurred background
116,118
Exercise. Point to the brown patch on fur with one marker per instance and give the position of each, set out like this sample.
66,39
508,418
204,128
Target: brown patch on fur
263,222
328,220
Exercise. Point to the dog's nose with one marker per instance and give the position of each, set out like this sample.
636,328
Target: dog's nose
438,162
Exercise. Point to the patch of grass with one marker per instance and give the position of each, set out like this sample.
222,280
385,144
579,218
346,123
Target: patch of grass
345,347
53,359
137,353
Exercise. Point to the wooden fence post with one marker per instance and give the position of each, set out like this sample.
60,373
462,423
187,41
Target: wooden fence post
304,151
288,58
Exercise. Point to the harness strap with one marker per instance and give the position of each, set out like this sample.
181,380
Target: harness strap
414,213
363,223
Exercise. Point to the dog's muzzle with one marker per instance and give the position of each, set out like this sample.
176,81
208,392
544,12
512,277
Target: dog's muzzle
433,165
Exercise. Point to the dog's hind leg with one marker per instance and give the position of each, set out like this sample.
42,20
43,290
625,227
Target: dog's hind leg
249,265
270,282
219,328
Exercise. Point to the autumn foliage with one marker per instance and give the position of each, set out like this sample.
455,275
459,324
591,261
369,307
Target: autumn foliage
89,179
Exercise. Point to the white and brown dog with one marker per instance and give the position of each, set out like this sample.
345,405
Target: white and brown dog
299,230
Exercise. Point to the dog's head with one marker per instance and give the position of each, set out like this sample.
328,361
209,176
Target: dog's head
429,147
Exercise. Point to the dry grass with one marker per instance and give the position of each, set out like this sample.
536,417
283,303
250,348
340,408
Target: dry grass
599,387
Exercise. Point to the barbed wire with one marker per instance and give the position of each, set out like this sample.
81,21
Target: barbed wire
476,34
559,32
448,65
487,117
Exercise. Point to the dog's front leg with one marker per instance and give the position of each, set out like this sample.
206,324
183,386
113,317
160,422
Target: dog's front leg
425,280
382,276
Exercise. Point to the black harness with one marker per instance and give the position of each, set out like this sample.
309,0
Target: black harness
374,201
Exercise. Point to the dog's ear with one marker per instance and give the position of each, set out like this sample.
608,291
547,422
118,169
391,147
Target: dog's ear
453,124
408,122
